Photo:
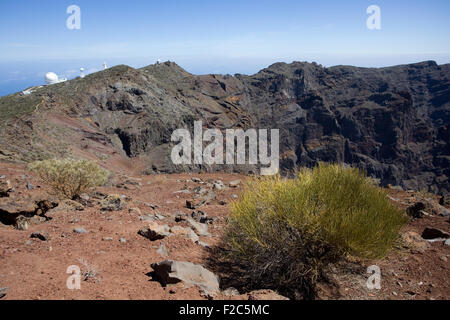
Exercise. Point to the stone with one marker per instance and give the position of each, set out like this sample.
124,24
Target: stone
107,239
234,196
162,250
180,216
219,186
200,228
202,217
22,223
3,292
230,292
426,206
5,188
416,210
43,236
29,186
37,220
414,241
203,244
123,240
148,217
80,230
234,183
434,233
447,242
266,295
185,232
136,211
185,191
155,231
113,203
200,201
444,200
197,180
172,272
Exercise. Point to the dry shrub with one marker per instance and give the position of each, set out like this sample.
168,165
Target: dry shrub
70,177
284,234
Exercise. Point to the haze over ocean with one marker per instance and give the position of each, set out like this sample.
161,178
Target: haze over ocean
214,36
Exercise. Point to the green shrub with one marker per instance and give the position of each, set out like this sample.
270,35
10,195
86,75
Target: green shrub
284,234
70,177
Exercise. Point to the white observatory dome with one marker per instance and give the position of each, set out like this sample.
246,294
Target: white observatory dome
51,78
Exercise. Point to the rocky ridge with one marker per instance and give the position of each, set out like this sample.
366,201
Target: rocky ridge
392,122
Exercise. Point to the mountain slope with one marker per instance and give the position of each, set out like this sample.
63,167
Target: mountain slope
393,122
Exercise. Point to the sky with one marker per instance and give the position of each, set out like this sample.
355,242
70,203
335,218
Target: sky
211,36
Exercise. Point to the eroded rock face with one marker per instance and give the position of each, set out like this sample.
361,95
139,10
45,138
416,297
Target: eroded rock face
27,208
392,122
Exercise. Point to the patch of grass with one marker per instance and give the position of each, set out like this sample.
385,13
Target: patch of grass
70,177
284,234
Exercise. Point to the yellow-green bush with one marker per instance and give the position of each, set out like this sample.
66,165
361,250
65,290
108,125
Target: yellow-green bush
70,177
284,233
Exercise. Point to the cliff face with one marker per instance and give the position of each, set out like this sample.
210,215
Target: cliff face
393,122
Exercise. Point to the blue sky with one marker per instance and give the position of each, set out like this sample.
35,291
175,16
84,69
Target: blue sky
214,36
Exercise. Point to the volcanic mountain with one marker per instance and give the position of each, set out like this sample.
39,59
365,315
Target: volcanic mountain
392,122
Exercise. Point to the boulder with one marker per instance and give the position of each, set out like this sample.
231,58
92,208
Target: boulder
171,272
155,231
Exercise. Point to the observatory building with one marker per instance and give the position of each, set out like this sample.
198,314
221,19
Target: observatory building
52,78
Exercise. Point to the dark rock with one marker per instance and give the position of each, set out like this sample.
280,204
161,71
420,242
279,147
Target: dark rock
40,235
434,233
416,210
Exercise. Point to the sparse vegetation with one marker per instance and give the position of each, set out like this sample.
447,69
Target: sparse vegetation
90,272
70,177
283,234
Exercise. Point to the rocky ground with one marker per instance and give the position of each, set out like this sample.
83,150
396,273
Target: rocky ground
120,234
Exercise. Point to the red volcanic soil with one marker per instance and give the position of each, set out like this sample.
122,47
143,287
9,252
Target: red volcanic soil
36,269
